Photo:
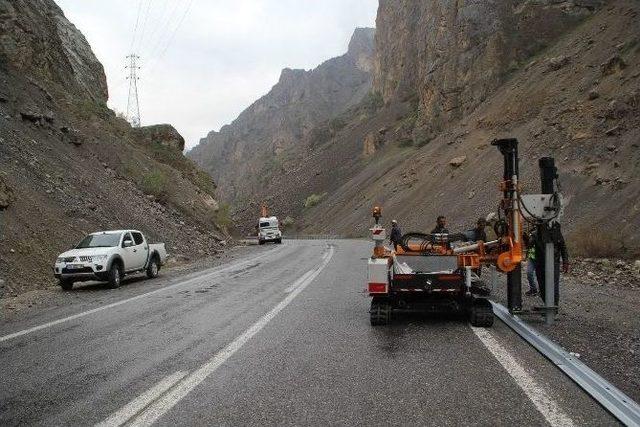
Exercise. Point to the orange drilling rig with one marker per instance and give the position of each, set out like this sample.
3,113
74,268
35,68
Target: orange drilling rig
439,273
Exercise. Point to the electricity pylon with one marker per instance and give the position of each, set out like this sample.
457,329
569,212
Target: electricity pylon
133,107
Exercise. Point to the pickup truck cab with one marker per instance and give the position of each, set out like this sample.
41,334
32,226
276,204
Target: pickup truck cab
108,256
269,230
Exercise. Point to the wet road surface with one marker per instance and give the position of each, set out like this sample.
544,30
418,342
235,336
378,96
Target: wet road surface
280,336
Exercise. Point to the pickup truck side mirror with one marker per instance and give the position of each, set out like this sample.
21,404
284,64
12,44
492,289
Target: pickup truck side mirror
127,243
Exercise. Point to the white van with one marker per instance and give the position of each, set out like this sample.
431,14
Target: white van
269,230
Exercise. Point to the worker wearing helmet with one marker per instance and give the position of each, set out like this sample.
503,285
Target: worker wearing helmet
396,234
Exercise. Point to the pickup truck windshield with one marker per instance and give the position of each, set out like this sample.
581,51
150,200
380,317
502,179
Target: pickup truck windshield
99,241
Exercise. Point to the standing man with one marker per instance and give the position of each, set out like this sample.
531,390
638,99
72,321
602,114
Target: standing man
396,235
476,234
529,241
560,251
441,225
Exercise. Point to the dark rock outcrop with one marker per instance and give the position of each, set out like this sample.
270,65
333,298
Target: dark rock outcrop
39,41
163,134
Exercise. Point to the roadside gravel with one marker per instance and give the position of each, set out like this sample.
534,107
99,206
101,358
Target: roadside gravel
598,318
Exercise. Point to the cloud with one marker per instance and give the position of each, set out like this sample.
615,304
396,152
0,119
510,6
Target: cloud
201,69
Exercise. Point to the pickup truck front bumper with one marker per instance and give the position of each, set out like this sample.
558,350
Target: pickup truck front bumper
80,272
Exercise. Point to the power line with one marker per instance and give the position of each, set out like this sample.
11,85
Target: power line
173,34
144,23
163,19
135,27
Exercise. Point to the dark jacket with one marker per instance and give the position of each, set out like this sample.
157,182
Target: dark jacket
559,245
440,230
396,234
475,235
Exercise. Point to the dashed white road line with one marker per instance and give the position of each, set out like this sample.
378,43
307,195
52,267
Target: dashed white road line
137,405
540,397
137,297
163,404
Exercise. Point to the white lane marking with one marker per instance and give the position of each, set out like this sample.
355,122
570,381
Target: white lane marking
167,401
137,405
297,282
137,297
540,397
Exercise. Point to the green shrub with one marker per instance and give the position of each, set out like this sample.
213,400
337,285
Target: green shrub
156,183
313,200
372,101
222,217
406,142
336,124
287,222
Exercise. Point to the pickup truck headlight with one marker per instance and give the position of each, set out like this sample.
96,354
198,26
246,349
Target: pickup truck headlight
99,258
59,260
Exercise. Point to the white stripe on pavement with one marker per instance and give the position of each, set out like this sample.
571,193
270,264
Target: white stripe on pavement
167,401
540,397
137,297
142,401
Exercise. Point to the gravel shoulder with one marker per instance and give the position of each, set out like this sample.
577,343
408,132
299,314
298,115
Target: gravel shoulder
598,318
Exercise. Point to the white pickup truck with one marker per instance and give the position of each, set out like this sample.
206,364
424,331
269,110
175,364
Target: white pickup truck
108,256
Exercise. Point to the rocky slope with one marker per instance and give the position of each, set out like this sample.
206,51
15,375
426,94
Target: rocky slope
576,100
69,166
244,155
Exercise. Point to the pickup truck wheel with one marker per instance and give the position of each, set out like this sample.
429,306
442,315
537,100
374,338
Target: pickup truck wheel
153,268
115,276
66,284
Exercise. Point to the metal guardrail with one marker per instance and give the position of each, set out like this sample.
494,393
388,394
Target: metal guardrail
625,409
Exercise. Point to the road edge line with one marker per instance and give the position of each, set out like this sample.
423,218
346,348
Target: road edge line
537,394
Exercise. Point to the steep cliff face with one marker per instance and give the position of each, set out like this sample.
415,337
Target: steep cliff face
69,166
451,55
40,42
244,154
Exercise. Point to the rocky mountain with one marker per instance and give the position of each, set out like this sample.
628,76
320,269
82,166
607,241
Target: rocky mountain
575,98
448,77
69,166
244,155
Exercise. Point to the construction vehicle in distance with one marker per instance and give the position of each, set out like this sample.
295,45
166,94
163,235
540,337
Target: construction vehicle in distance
268,227
440,273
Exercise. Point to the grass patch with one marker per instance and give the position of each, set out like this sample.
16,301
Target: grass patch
405,142
590,242
313,200
222,217
156,183
288,222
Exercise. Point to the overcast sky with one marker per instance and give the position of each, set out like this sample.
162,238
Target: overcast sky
204,61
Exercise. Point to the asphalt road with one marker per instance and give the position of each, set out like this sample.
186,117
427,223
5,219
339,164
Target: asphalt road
280,336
